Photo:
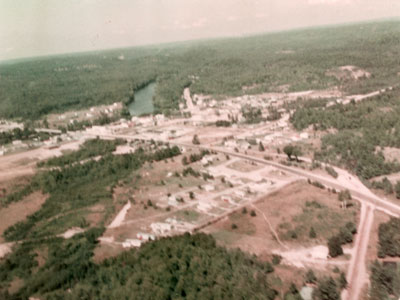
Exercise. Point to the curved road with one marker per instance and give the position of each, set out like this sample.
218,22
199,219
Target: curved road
357,273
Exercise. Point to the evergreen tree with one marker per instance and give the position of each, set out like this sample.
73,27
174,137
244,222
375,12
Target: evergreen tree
310,277
335,246
342,281
261,147
326,290
312,233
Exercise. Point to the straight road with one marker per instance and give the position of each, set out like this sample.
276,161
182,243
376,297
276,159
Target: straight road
357,273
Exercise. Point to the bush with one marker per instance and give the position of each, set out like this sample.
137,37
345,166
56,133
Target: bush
291,150
351,227
397,189
345,235
335,246
195,140
276,259
310,277
317,184
312,234
326,290
223,123
389,238
342,281
331,171
261,147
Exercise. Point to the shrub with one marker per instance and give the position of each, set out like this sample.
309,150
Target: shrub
342,281
276,259
195,140
331,171
261,147
326,290
312,234
335,246
310,277
389,238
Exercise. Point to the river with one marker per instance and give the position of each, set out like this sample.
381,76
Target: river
143,103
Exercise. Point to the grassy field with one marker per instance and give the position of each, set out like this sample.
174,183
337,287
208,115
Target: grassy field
292,212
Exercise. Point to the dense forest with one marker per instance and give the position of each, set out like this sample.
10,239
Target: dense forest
298,59
389,238
385,277
183,267
385,281
72,189
26,133
190,267
46,265
362,129
89,149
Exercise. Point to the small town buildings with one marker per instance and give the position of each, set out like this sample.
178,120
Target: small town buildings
161,228
209,188
145,236
129,243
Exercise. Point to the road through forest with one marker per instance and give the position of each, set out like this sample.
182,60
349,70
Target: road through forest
357,273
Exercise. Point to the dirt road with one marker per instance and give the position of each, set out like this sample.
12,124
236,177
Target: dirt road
188,98
357,273
270,226
357,189
24,163
119,219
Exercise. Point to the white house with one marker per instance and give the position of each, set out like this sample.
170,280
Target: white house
206,160
129,243
204,206
209,187
172,201
240,193
160,228
304,135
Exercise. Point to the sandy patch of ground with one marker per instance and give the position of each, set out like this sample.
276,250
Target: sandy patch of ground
24,163
18,211
8,186
287,205
124,149
120,216
391,154
5,249
106,250
15,285
71,232
348,72
245,166
316,256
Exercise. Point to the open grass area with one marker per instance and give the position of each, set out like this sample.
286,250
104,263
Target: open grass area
292,211
188,215
323,219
